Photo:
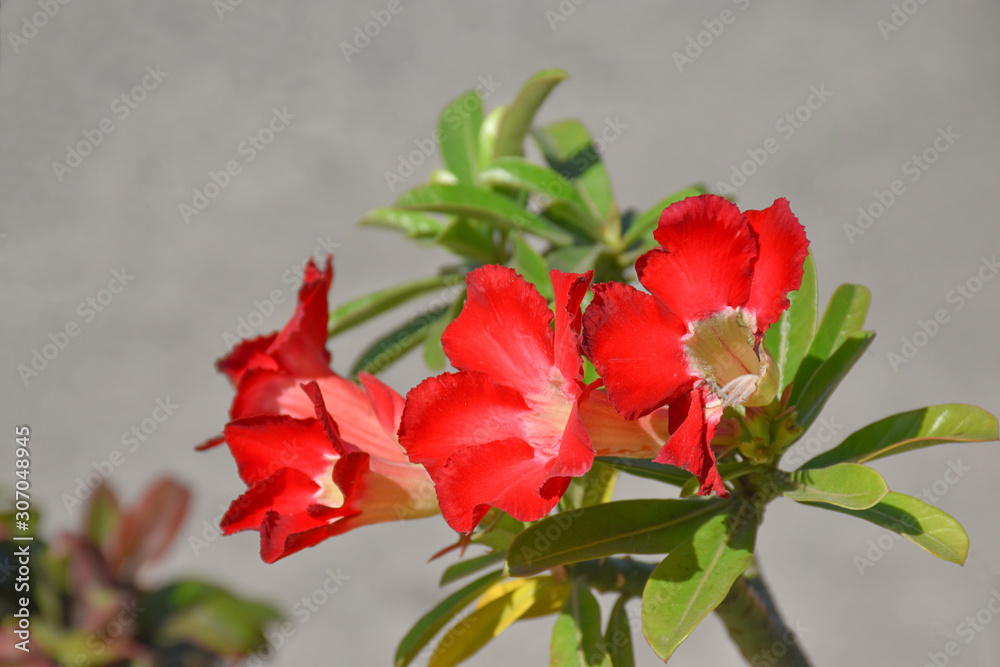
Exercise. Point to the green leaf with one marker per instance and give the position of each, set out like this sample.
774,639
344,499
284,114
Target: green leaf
843,318
569,150
626,526
560,198
467,566
618,637
788,339
488,136
459,129
574,258
646,222
489,207
661,472
533,267
389,348
497,530
727,471
576,636
366,307
489,620
931,529
103,517
434,355
517,118
593,488
828,376
849,485
472,239
414,224
431,622
694,579
904,432
206,616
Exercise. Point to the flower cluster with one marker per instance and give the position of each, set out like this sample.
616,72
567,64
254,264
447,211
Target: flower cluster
516,421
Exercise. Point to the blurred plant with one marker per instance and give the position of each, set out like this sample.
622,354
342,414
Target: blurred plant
87,606
712,374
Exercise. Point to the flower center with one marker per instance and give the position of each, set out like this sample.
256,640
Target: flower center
720,350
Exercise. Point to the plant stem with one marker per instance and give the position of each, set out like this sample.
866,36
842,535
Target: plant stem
748,611
754,624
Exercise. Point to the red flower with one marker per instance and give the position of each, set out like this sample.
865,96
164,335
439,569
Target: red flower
719,281
506,430
318,453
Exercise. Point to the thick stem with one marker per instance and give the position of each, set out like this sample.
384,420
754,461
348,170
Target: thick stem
748,611
755,626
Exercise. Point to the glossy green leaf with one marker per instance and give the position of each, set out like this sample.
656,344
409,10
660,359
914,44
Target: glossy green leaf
434,355
467,566
569,150
488,620
648,469
366,307
490,207
558,197
533,267
389,348
930,528
618,636
488,135
827,377
849,485
576,636
103,517
646,222
518,117
626,526
430,623
414,224
497,530
694,579
788,339
904,432
844,317
459,130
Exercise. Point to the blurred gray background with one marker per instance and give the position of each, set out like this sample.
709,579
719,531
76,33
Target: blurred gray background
895,77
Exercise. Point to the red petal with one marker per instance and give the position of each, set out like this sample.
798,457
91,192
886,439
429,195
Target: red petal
503,330
503,474
689,445
576,455
247,355
778,271
386,402
454,410
287,492
636,347
707,260
300,348
264,445
569,288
